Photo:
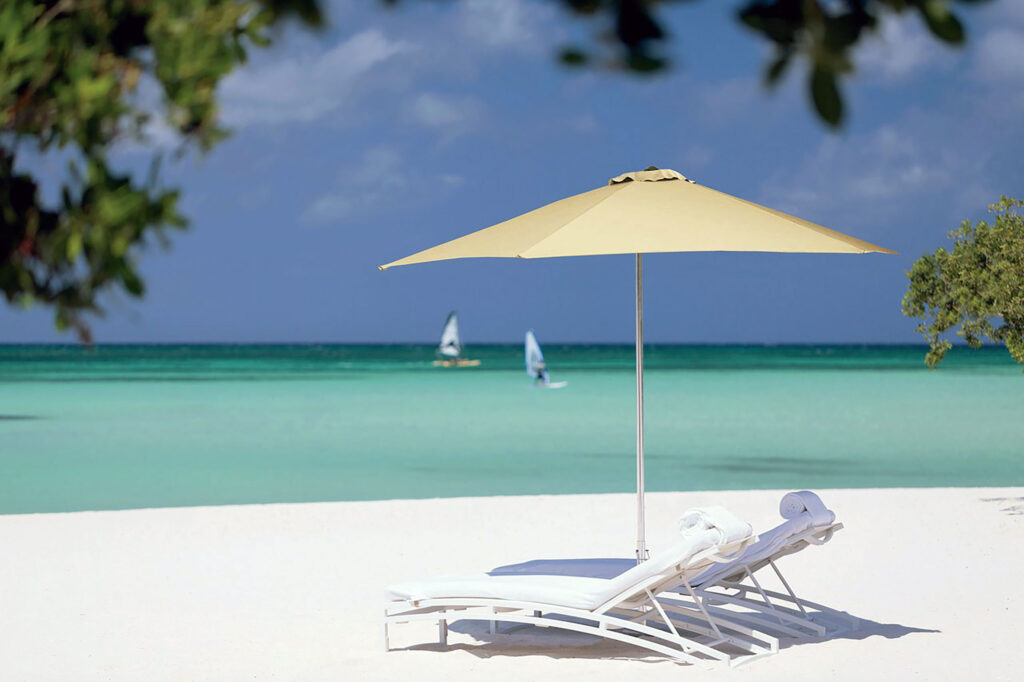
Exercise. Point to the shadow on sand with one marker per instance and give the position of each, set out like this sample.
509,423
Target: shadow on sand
529,640
1015,504
513,639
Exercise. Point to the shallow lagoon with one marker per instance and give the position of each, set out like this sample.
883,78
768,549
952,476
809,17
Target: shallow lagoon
144,426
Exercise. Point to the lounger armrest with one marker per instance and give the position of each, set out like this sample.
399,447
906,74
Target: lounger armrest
731,551
827,535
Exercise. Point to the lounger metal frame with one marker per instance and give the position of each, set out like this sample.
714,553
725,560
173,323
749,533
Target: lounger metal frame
688,630
778,612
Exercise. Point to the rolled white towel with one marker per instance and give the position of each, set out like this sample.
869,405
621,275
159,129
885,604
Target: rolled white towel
721,519
796,503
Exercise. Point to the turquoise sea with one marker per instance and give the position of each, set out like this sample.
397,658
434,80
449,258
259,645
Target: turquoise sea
144,426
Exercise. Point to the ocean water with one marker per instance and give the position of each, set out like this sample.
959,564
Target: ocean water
143,426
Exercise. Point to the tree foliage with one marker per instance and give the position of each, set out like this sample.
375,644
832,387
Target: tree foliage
821,33
69,77
979,285
824,34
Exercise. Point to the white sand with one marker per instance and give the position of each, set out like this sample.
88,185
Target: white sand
293,592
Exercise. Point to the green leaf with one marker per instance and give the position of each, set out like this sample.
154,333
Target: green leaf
777,69
825,94
942,23
74,247
572,56
132,284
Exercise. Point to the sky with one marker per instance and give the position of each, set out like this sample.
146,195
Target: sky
394,130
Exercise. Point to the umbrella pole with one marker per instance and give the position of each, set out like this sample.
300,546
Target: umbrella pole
641,542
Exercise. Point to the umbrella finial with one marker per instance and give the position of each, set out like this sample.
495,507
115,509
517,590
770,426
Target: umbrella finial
649,174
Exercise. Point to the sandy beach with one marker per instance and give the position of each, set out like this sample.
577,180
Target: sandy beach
293,592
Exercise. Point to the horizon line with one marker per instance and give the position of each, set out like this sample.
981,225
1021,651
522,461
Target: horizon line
694,344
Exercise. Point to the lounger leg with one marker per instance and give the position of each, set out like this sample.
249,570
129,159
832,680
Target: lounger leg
493,629
442,632
700,604
387,642
788,588
767,601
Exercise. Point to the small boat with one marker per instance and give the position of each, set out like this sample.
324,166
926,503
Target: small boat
450,348
536,368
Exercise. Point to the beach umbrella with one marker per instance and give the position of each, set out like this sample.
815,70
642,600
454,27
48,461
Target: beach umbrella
649,211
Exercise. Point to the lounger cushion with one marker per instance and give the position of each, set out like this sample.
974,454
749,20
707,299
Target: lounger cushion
556,590
699,529
794,507
589,568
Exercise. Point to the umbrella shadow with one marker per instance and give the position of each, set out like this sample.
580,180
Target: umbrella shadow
516,639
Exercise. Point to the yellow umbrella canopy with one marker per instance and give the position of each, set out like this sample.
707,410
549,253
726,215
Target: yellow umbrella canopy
649,211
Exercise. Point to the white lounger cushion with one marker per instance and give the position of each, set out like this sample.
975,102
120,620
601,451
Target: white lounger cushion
794,507
700,529
557,590
585,568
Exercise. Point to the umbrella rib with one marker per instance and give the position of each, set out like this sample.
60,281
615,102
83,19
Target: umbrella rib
618,188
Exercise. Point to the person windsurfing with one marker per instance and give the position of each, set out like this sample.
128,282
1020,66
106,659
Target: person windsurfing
541,373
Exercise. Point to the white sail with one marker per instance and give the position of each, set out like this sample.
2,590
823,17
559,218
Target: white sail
534,356
451,345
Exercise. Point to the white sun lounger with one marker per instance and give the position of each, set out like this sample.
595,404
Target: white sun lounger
734,584
629,608
730,590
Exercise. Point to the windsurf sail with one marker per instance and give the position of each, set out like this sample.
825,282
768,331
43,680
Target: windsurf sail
451,345
535,366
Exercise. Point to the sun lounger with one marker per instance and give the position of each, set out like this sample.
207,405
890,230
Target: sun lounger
733,586
630,607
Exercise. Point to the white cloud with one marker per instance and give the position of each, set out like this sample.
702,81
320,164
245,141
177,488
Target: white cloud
156,133
728,97
370,186
451,180
867,173
362,187
902,48
517,24
307,87
585,123
449,115
1011,11
696,156
299,80
954,153
999,59
725,102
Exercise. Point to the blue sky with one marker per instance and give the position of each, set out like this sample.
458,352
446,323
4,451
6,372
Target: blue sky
394,130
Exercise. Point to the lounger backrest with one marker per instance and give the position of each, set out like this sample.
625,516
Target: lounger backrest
768,543
687,557
806,517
